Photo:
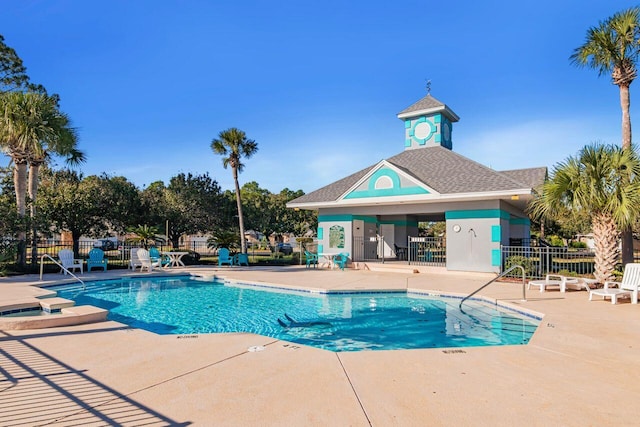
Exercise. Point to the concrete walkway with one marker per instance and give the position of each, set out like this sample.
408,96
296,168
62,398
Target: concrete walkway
580,368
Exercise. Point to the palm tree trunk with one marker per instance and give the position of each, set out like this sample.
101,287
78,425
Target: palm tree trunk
243,244
34,169
605,236
19,182
625,102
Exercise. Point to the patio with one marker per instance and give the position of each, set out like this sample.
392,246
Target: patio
106,373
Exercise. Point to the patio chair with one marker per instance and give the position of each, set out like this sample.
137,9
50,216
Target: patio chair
68,262
341,260
554,280
401,253
224,258
145,260
96,259
156,256
627,288
312,259
241,259
134,261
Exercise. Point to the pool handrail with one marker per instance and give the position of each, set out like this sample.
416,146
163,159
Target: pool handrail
42,257
504,273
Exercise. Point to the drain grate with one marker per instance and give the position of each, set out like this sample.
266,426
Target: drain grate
453,351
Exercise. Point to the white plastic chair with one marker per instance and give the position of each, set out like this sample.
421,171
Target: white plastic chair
553,280
134,261
68,262
627,288
145,260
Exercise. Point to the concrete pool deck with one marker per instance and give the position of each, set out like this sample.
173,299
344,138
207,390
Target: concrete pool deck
580,368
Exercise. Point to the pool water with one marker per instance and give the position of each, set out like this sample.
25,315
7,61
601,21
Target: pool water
337,322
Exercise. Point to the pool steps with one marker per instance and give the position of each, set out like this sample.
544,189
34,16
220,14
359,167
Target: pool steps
59,312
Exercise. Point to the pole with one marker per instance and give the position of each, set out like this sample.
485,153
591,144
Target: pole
166,232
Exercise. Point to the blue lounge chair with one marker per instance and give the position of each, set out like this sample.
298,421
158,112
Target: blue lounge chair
224,258
311,259
341,260
241,259
96,259
155,256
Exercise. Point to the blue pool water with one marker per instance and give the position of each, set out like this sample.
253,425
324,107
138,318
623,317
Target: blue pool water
337,322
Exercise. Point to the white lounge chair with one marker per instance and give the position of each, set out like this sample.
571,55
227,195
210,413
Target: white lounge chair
145,260
627,288
553,280
134,261
68,262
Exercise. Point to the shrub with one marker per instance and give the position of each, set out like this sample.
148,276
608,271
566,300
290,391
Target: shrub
555,241
526,263
578,245
567,273
191,258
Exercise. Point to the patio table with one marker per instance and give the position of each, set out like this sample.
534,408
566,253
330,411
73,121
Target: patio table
175,258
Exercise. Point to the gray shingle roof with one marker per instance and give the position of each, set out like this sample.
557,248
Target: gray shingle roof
441,169
533,177
428,103
332,191
449,173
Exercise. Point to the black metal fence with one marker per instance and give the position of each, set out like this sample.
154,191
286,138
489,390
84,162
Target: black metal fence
427,251
119,253
368,249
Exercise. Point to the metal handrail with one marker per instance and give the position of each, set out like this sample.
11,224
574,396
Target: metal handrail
42,257
524,280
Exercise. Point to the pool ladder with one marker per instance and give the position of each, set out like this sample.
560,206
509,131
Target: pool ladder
504,273
59,265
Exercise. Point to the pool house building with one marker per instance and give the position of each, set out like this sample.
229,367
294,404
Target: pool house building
373,214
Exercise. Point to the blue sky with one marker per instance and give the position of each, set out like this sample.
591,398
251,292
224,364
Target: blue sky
317,84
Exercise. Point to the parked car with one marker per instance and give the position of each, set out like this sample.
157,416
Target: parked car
105,244
284,248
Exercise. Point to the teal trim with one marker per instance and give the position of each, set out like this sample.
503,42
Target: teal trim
320,249
334,218
437,118
400,223
386,192
407,124
495,233
366,219
395,179
438,138
432,130
407,142
495,257
345,218
479,213
519,221
320,233
396,189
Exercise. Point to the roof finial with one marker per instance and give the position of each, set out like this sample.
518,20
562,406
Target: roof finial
428,87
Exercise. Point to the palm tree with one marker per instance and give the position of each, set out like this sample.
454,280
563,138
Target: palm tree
145,235
604,182
613,47
32,128
234,145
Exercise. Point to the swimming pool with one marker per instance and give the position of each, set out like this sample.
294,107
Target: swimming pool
335,321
